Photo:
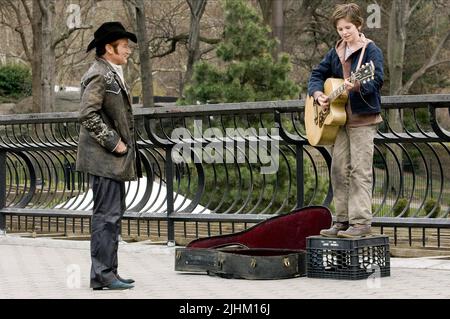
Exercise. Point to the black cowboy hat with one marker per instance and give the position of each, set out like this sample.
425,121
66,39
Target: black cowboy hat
109,32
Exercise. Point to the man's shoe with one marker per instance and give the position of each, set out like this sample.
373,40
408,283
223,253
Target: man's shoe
355,231
334,230
127,281
116,285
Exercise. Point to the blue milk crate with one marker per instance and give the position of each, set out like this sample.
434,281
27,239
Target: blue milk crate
343,258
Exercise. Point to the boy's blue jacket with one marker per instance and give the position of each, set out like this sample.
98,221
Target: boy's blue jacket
331,67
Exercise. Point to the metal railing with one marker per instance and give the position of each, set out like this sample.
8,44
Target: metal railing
228,163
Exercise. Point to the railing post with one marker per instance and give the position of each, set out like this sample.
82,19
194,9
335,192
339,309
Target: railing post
300,176
169,198
2,191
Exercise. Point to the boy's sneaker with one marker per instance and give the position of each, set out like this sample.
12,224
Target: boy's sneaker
355,231
334,230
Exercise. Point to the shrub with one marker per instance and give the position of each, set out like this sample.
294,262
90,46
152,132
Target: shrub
400,206
15,81
429,205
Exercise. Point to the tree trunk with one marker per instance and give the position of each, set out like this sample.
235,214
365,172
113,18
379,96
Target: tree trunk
197,8
397,43
396,52
48,56
43,64
273,16
278,24
144,56
266,10
36,24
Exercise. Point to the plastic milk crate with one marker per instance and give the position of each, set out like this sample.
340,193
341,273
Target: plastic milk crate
342,258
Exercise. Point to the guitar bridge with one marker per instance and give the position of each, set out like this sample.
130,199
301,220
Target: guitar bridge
322,116
319,117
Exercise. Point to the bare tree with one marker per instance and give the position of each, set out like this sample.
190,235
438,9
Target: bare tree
307,34
171,31
400,15
41,55
432,61
144,52
273,15
12,17
278,24
144,55
266,11
197,8
398,19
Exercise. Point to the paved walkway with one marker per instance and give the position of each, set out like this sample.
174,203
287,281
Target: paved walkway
49,268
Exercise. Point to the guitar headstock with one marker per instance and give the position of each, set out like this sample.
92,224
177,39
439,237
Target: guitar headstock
365,73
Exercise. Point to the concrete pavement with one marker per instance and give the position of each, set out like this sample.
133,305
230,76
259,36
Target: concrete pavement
49,268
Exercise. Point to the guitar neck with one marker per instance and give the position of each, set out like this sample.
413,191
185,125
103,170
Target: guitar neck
336,93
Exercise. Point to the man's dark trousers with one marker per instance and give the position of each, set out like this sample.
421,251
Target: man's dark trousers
109,206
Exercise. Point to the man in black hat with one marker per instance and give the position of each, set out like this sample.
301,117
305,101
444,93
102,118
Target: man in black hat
107,148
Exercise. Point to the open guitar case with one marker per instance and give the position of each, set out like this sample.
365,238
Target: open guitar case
271,249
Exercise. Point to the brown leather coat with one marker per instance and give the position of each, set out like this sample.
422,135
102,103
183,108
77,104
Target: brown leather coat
106,117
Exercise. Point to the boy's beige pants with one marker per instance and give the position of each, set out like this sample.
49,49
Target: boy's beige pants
351,174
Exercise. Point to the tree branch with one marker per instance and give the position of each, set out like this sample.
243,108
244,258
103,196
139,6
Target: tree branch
20,30
207,51
431,62
382,9
413,8
132,2
27,10
190,5
15,56
43,7
438,62
173,47
183,38
67,34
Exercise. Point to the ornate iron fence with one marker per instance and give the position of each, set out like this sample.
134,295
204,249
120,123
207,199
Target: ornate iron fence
234,163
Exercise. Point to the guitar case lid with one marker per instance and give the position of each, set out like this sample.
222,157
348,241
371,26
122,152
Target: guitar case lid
271,249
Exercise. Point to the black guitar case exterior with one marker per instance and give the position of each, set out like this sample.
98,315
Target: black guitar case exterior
272,249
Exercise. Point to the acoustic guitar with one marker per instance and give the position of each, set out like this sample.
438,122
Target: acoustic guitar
322,126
